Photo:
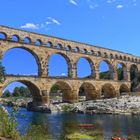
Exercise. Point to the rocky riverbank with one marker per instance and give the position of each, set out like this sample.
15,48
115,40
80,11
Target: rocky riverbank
123,105
12,101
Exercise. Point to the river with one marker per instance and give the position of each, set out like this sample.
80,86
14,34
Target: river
61,123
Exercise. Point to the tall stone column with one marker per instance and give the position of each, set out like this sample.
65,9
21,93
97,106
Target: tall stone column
97,74
115,75
43,71
74,96
73,71
127,75
0,89
117,93
42,100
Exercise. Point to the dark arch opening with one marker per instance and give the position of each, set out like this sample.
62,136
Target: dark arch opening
15,38
49,44
21,61
92,52
108,91
84,51
124,89
134,76
3,36
87,92
68,48
106,71
85,68
59,65
22,88
59,46
76,49
61,92
27,40
121,72
38,42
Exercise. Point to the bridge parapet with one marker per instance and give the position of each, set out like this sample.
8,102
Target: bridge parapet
66,45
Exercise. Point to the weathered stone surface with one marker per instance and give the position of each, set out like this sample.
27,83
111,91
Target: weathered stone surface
124,105
40,85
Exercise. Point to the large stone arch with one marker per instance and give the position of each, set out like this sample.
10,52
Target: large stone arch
133,70
91,63
108,91
68,60
90,90
124,89
66,90
124,70
32,52
110,66
34,88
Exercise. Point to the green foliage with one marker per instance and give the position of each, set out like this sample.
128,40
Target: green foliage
105,75
6,93
55,88
67,108
36,132
8,124
120,74
21,91
2,73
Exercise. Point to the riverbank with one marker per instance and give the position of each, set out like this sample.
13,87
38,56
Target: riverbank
15,101
122,105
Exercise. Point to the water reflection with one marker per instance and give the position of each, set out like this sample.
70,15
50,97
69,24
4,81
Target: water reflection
60,125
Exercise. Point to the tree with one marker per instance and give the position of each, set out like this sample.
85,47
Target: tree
24,91
16,92
2,73
6,93
55,88
21,91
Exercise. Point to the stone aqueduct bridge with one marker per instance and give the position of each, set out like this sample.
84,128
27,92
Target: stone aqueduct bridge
42,47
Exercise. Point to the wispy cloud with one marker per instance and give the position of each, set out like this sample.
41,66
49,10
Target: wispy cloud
120,6
73,2
52,21
63,74
44,25
110,1
30,26
93,6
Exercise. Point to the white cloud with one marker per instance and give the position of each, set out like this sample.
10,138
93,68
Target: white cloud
93,6
30,26
63,74
110,1
52,21
119,6
73,2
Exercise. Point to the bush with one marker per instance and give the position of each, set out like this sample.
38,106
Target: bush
8,124
67,108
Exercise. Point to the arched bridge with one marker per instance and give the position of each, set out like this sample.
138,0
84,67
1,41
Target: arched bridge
42,47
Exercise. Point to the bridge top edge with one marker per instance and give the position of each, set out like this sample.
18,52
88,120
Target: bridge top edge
71,41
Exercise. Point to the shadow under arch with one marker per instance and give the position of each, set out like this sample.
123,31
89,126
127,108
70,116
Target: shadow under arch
124,89
68,61
133,71
108,91
29,51
91,64
121,71
65,89
88,91
34,89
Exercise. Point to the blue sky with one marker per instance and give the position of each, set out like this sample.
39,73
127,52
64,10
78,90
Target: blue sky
113,24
